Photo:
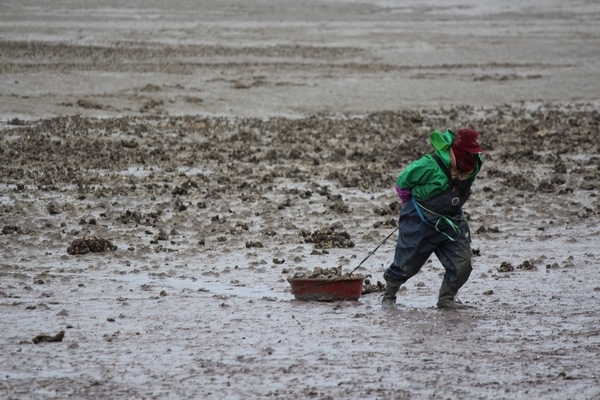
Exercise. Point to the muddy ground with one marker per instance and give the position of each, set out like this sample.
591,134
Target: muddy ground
165,170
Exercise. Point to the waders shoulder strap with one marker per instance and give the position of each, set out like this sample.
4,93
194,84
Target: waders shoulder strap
443,166
462,187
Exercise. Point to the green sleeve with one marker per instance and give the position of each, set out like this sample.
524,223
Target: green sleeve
424,178
417,173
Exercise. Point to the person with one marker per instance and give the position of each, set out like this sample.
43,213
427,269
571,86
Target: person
433,190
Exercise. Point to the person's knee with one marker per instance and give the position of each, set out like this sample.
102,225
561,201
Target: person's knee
403,272
463,271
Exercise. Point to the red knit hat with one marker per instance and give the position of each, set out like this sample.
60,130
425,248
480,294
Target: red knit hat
468,140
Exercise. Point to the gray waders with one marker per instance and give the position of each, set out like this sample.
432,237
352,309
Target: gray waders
425,227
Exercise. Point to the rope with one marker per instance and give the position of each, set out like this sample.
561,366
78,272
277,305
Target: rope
371,253
445,218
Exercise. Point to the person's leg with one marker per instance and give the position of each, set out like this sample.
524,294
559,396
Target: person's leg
456,259
413,248
412,251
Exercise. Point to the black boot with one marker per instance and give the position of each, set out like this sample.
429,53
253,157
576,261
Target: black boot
447,299
389,297
452,303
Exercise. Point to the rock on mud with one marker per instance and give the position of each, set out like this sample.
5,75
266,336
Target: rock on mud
47,338
90,245
327,238
11,229
369,287
506,267
53,209
527,265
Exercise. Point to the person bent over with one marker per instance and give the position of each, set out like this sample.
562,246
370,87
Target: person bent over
433,190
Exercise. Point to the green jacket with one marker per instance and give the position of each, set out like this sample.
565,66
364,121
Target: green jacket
424,177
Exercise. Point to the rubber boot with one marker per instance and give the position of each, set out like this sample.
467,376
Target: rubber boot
448,301
389,297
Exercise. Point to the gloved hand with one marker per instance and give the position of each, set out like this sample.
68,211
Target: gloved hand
404,194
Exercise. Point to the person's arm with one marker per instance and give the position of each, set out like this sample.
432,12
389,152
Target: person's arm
404,194
416,173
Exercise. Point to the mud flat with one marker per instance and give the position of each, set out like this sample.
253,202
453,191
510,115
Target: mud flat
148,228
257,59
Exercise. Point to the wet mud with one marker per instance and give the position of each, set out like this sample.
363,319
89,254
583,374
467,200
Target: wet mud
153,222
197,249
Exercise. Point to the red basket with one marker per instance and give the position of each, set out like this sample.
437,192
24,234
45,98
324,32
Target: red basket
322,289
